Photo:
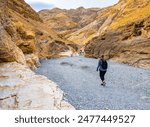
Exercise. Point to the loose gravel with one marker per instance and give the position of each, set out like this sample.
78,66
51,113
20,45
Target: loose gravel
127,87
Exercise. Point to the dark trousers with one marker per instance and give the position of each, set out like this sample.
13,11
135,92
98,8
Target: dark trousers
102,75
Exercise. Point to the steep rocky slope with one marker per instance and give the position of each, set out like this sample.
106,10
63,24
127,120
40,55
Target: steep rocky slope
24,38
83,35
112,17
126,38
120,31
23,32
65,21
84,23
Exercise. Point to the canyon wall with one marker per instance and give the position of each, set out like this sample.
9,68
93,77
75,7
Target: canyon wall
24,39
120,31
127,38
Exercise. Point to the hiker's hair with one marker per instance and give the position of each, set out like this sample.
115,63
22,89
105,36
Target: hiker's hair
102,56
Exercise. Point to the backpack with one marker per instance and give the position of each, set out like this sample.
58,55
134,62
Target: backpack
104,64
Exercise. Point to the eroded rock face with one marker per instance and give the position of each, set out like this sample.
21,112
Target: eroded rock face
25,39
8,50
125,25
116,31
65,22
20,88
128,44
126,38
98,24
23,33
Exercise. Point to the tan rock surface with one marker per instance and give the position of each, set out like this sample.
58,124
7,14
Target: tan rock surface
116,31
128,44
66,22
24,38
125,37
8,50
23,32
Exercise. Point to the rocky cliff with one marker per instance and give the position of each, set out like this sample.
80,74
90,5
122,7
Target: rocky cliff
25,39
120,31
126,38
65,22
23,33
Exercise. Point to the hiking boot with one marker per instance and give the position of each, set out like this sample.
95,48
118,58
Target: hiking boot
102,84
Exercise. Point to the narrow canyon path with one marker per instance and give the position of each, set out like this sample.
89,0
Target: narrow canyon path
127,87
